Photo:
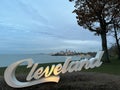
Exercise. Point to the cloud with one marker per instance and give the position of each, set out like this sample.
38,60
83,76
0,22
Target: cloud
33,12
41,26
82,42
79,45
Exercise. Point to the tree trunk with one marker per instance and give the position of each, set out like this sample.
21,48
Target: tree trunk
104,48
117,42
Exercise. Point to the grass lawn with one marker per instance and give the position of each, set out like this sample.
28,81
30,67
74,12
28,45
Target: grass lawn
110,68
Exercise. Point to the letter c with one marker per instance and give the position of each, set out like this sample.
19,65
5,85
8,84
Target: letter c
9,74
12,81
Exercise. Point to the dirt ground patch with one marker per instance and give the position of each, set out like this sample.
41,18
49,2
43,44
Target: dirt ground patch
74,81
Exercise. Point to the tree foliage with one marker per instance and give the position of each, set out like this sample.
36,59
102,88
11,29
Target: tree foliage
98,16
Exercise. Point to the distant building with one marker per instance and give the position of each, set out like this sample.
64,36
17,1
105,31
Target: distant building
72,53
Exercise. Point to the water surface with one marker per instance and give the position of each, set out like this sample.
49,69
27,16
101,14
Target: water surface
8,59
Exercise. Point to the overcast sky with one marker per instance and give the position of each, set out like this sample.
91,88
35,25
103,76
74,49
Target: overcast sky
35,26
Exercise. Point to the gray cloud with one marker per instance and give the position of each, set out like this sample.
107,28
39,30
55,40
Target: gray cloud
42,26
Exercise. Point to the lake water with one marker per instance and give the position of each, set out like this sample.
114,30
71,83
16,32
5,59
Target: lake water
6,60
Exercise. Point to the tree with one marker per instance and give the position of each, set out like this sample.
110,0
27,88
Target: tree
116,26
97,16
113,51
116,29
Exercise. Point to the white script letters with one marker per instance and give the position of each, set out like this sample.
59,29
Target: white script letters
51,73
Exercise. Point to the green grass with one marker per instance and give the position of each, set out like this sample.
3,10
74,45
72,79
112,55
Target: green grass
110,68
